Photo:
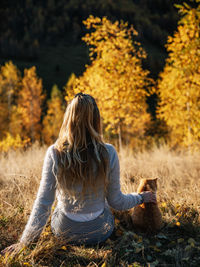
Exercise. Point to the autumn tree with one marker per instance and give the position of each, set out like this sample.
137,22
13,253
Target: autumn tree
10,80
54,117
179,84
115,77
30,104
70,87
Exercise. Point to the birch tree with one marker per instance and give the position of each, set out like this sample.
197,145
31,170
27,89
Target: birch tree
54,117
179,84
10,82
115,77
30,104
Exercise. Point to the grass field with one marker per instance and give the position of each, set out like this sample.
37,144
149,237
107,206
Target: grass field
177,244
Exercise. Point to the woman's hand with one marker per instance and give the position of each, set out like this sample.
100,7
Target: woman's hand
149,197
13,248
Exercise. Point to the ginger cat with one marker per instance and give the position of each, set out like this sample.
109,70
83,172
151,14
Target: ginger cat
147,216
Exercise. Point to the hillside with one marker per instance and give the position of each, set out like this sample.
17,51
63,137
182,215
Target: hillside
48,33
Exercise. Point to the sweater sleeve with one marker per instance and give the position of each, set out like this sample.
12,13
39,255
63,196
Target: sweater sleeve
116,199
44,200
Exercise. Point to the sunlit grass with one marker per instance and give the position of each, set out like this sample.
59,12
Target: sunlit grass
178,197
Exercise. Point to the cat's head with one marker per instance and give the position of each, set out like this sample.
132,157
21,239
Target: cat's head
148,185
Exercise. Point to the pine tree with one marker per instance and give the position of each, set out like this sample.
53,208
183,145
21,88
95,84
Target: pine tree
179,84
115,77
54,117
30,104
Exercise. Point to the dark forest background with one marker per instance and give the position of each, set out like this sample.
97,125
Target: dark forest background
47,33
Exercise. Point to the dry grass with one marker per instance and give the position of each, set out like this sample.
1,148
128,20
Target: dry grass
178,243
178,173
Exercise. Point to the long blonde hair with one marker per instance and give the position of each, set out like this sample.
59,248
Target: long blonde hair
83,158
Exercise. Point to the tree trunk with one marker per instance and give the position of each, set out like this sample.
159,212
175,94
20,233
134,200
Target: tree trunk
189,126
120,138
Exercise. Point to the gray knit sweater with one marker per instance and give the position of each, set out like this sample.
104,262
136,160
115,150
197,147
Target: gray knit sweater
92,203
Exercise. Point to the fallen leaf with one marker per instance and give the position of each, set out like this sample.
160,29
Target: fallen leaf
185,259
158,244
135,236
155,248
138,249
154,263
45,233
169,252
119,232
188,247
162,236
164,205
140,239
192,242
149,258
180,240
117,221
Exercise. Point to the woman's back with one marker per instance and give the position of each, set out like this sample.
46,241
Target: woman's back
91,201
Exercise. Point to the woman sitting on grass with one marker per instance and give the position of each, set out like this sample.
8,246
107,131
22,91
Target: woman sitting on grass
83,172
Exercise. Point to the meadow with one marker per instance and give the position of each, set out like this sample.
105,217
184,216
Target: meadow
177,244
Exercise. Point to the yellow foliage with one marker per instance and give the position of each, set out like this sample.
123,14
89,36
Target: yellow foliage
10,142
16,124
30,103
64,247
54,117
115,77
10,80
70,87
180,81
20,103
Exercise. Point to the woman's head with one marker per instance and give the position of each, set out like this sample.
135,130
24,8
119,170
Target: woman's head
81,124
83,158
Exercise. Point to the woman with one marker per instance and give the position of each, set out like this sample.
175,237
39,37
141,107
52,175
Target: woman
83,172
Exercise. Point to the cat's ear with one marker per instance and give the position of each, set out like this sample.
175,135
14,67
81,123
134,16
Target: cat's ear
156,182
142,185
